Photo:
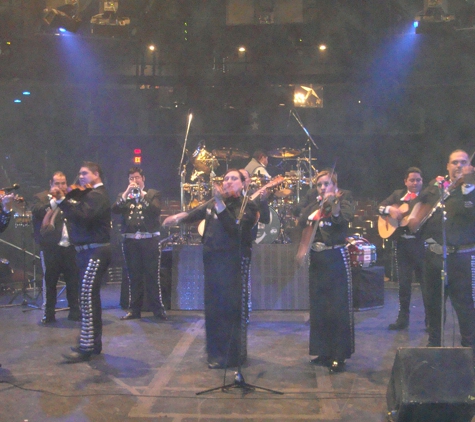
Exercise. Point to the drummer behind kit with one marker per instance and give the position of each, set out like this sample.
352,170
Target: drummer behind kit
286,189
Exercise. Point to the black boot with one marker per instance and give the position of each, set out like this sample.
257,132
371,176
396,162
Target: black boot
401,323
48,317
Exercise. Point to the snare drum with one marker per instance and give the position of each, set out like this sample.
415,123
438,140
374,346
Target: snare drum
268,233
362,253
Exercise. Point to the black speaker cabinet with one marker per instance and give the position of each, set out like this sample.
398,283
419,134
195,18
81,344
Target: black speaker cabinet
368,288
432,384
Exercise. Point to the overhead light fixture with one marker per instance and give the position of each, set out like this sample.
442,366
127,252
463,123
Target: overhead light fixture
434,19
57,19
109,22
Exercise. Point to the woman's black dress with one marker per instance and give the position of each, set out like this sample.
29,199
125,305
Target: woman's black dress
226,256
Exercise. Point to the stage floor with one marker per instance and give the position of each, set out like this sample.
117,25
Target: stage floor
151,370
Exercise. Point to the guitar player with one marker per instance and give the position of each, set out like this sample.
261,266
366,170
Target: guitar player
408,247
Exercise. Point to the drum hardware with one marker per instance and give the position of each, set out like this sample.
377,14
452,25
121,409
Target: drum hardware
269,233
204,161
284,153
25,282
230,154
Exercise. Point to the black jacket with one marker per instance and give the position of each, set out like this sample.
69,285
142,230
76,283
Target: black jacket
88,217
331,230
142,215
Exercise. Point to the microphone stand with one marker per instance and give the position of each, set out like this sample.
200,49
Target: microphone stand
297,118
239,381
182,174
443,272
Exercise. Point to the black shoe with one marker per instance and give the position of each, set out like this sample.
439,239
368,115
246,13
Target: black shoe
400,324
48,319
321,361
95,351
74,316
215,365
130,315
161,314
337,366
76,357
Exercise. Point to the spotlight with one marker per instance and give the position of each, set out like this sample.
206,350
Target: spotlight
58,19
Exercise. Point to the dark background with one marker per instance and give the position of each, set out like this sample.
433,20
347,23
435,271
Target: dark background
391,98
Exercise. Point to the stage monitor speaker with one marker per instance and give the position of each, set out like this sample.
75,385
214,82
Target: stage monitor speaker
432,384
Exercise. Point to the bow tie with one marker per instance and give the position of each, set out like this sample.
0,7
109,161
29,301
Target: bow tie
409,196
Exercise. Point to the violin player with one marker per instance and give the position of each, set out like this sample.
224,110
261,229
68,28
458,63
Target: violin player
332,337
459,193
408,248
58,255
88,212
226,256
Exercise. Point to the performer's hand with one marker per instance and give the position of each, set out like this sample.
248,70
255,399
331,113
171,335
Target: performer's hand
395,212
129,189
468,173
264,194
218,192
56,193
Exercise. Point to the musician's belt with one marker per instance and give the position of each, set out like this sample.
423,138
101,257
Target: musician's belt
90,246
438,249
140,235
319,247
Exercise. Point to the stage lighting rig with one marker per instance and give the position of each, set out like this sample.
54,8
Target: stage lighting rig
63,17
109,22
434,19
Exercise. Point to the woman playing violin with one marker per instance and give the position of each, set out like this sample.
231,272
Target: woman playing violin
331,310
226,251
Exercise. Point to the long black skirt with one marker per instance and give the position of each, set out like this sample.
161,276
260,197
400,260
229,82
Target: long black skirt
331,309
225,292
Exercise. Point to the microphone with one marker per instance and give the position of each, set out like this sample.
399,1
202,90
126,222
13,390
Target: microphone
15,186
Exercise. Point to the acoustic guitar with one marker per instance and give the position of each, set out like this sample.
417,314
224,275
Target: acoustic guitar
388,225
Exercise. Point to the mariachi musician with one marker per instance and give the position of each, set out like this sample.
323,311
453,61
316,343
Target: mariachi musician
459,204
325,222
408,247
226,255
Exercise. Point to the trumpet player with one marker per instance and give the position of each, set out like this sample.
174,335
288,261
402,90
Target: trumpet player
140,211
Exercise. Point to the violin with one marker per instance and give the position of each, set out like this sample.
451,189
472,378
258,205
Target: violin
77,191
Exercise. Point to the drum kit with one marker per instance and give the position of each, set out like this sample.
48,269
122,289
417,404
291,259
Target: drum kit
283,200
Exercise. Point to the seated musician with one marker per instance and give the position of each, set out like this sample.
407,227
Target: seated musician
257,165
325,222
407,247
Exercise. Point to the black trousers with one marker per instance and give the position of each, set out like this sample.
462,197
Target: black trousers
410,260
460,289
141,258
92,265
57,260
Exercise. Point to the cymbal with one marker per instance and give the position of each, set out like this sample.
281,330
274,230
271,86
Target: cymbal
203,160
230,153
284,153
